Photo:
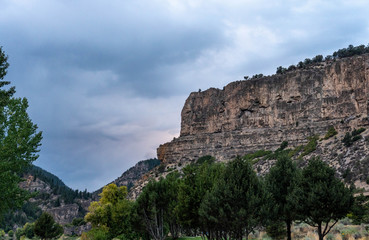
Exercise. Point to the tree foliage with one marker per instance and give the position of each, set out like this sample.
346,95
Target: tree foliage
19,143
156,207
197,180
111,213
323,198
283,183
236,203
46,228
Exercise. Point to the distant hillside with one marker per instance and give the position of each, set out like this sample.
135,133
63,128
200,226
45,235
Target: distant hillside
129,177
50,195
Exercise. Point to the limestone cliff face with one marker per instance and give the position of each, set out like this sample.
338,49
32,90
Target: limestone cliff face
259,114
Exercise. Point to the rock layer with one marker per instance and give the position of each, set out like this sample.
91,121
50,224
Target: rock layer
261,113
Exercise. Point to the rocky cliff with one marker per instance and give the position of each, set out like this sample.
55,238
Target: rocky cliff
256,114
129,177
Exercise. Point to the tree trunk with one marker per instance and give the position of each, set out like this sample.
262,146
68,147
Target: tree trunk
288,226
320,234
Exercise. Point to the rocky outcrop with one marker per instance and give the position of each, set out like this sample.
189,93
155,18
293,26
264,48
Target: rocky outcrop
259,114
47,200
129,177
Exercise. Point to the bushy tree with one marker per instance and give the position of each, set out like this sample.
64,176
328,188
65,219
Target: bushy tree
28,230
111,213
19,143
46,228
283,183
197,180
237,202
323,199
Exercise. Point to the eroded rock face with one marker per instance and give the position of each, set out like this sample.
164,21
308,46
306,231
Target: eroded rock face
259,114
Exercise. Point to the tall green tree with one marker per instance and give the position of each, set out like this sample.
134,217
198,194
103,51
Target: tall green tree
283,182
323,198
237,202
151,206
46,227
19,143
197,180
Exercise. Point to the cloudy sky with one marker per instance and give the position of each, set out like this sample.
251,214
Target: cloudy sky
106,80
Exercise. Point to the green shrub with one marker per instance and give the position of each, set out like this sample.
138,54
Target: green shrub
295,151
254,157
355,138
358,131
330,236
11,234
78,222
161,168
347,141
284,144
207,158
331,132
310,146
95,234
352,137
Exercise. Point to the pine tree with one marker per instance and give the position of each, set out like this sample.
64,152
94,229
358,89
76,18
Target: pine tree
47,228
323,198
282,182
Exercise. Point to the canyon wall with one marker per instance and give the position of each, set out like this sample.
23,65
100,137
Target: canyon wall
262,113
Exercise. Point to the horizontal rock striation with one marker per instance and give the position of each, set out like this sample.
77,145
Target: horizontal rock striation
261,113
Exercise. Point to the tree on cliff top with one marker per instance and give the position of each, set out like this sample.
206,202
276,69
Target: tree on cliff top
19,143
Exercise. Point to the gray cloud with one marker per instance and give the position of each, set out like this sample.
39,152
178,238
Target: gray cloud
106,81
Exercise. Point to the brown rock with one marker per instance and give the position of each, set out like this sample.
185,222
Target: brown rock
259,114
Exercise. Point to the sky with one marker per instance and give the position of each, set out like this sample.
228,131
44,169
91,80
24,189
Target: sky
106,80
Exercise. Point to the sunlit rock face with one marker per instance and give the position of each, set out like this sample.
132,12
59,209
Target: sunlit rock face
261,113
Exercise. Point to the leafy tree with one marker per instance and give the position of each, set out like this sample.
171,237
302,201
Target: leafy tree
151,205
237,201
360,210
282,182
19,142
46,228
281,70
317,59
112,212
198,179
323,198
156,207
172,181
28,231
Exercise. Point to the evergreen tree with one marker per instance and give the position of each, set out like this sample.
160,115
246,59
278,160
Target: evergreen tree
237,202
46,228
282,183
198,179
323,198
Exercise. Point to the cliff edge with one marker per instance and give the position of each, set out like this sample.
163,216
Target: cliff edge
250,115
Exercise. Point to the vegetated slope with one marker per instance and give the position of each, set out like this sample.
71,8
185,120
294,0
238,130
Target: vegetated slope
294,105
50,194
129,177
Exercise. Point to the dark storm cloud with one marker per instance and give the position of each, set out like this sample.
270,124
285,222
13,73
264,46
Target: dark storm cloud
106,80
